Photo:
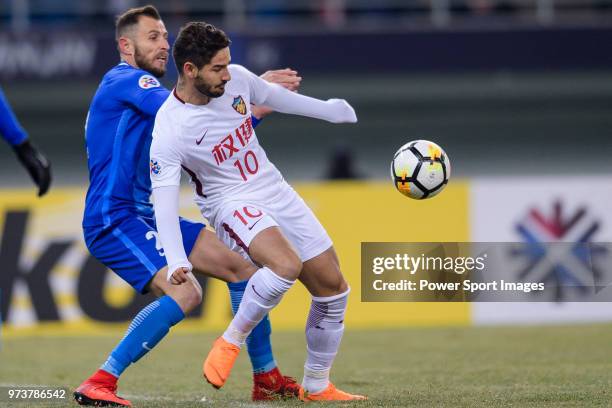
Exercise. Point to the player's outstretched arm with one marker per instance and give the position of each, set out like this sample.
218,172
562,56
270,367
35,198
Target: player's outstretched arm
285,101
331,110
287,78
29,156
165,202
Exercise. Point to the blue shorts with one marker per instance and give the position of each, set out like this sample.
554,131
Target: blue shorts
132,249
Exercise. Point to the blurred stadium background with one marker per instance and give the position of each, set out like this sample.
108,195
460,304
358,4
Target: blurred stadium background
523,84
518,93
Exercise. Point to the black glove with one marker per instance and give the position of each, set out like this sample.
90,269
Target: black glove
37,165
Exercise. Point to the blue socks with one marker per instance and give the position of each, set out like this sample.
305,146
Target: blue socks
154,321
146,330
258,342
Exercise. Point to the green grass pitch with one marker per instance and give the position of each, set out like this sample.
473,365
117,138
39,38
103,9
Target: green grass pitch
568,366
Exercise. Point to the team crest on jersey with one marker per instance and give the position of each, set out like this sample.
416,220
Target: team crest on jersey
155,167
239,105
148,81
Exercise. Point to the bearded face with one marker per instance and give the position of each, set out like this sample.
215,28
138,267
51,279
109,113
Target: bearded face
212,77
212,90
151,61
150,48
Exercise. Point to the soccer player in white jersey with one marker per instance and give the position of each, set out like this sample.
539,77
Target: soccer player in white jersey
205,128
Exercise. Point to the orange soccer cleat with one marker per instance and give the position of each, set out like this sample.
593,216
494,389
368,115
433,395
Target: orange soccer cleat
331,393
100,390
273,385
219,362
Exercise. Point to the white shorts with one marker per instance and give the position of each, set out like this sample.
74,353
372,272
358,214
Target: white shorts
238,222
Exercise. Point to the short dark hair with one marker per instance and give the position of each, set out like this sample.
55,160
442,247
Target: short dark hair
130,18
198,42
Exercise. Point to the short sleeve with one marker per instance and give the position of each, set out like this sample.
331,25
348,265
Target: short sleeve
165,158
143,91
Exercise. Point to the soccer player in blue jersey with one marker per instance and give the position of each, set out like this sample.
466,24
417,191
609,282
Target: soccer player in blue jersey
119,226
30,157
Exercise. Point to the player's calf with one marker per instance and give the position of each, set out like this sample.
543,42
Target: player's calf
322,276
146,330
325,324
264,291
324,330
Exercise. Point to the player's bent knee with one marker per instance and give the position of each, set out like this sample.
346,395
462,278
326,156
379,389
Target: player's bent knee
187,296
324,282
335,286
194,299
333,281
288,267
341,286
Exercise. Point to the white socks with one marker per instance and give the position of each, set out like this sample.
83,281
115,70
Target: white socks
324,330
324,327
264,291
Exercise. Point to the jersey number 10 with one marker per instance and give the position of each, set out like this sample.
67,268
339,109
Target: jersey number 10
249,163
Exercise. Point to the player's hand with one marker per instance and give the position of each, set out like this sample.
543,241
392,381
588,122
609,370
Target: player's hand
287,78
36,164
179,276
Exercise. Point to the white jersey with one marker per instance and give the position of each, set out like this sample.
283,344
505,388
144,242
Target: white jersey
215,144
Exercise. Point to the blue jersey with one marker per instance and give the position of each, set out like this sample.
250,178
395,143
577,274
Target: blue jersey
10,129
118,136
119,224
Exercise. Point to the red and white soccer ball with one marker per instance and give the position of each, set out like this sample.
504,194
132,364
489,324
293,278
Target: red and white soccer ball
420,169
